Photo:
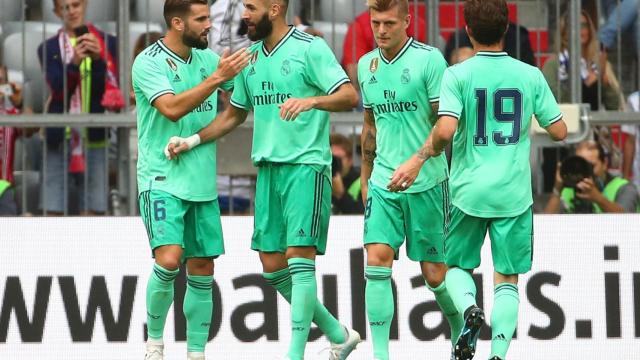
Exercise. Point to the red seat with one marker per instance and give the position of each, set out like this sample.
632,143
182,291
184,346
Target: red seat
543,34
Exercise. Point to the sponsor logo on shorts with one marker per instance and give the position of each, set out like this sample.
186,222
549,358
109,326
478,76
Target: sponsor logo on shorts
377,323
500,337
301,233
432,251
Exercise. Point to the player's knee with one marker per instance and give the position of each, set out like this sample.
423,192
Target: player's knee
380,255
200,266
168,262
434,273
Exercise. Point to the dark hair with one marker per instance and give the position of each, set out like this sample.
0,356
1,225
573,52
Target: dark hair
142,43
343,142
384,5
179,8
487,19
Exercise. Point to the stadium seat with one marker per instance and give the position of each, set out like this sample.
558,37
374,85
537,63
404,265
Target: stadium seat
12,53
98,10
10,10
543,36
345,10
149,11
35,93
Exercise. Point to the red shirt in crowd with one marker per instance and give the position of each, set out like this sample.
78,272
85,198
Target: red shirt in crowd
360,36
7,144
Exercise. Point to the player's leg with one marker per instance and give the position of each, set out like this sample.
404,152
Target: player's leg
306,204
512,252
384,233
203,242
162,215
427,216
463,243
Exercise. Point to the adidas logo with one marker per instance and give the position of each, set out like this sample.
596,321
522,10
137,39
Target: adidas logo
432,251
177,79
500,337
373,80
469,294
252,71
301,233
377,323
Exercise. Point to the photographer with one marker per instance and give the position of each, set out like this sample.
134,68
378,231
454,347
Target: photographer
345,194
586,186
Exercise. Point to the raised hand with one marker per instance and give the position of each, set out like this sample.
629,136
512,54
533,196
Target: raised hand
230,65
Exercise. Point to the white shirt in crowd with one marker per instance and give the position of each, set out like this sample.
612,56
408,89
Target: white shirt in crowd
226,21
633,102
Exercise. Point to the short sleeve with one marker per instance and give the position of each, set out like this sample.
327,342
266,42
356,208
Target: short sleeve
434,70
362,68
150,79
323,69
450,95
241,97
546,108
228,85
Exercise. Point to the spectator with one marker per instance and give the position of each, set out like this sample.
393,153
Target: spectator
359,38
10,103
621,15
460,39
461,54
596,84
346,197
88,57
600,193
631,158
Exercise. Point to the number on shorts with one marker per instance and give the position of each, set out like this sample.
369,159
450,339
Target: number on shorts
160,213
367,210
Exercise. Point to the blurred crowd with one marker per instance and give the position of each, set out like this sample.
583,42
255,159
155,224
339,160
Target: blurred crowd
76,169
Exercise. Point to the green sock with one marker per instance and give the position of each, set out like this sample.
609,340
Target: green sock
504,318
303,301
461,288
380,308
328,324
454,317
197,307
159,299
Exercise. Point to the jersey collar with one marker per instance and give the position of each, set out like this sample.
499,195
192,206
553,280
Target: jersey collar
492,53
279,44
172,54
399,54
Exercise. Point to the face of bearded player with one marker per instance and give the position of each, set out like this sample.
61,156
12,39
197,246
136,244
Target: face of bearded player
256,16
196,27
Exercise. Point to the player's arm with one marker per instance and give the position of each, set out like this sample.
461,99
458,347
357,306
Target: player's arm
175,106
557,130
368,144
343,99
629,150
223,124
440,136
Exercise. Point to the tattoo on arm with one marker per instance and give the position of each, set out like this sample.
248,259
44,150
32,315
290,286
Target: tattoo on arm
369,147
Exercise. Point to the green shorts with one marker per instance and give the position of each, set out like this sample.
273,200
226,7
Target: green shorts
511,241
292,208
419,217
194,225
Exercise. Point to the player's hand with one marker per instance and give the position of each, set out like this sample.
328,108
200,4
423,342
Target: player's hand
230,65
291,108
405,175
177,145
587,190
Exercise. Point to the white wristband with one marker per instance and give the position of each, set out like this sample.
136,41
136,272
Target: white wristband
192,141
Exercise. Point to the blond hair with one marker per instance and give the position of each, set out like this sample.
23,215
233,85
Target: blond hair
384,5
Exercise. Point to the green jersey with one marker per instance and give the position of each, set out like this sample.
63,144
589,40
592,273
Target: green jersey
299,66
158,71
494,97
400,92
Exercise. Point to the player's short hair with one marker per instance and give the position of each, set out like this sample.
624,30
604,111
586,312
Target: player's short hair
179,8
384,5
343,142
487,19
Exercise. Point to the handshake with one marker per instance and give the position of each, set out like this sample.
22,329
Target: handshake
179,145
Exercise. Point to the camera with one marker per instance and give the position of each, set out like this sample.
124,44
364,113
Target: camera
573,170
336,165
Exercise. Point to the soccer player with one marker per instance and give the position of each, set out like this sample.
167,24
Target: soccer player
175,81
400,84
293,80
488,102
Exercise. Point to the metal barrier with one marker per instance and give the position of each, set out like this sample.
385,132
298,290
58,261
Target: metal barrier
443,21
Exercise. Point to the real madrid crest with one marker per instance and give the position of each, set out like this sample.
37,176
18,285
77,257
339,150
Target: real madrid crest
373,66
172,64
286,68
405,77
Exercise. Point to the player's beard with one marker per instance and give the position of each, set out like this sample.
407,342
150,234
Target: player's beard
261,30
193,40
